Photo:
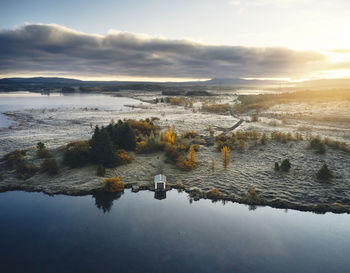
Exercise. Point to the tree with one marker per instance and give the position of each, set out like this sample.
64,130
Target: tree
122,135
102,149
285,165
101,171
225,156
324,173
191,157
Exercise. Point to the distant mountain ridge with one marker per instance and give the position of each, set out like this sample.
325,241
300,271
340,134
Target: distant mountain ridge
42,83
58,80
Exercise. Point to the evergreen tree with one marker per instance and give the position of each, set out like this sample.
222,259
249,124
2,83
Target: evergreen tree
285,165
102,148
324,173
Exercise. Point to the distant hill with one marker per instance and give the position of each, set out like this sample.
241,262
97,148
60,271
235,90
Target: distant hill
65,81
55,80
55,84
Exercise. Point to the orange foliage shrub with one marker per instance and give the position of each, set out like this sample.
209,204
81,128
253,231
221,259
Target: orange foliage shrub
113,184
169,137
189,134
143,127
141,146
251,190
214,193
124,157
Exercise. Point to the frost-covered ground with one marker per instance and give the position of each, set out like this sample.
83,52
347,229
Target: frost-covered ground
57,126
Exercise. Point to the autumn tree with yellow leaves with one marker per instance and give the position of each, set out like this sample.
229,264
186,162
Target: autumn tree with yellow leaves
225,156
191,158
190,161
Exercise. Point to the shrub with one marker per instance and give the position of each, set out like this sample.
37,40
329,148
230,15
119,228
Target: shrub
141,146
123,157
14,158
317,145
251,192
264,138
217,108
214,193
241,145
43,153
179,185
282,137
277,166
171,152
336,145
152,145
324,173
169,136
113,184
25,170
285,165
338,205
101,171
254,118
76,154
40,145
49,165
141,127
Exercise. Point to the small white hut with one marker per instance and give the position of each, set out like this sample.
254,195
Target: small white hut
159,182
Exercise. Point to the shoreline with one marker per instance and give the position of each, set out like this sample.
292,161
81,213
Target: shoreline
195,195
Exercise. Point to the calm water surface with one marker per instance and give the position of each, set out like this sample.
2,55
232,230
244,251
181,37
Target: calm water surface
135,232
17,101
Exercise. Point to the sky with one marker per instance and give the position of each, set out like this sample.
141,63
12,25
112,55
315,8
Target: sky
175,40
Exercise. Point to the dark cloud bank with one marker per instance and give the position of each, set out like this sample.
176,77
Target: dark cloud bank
51,48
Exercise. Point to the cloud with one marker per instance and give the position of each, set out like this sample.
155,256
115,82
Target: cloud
259,3
56,49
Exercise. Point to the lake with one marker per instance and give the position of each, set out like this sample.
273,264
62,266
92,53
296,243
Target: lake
55,118
17,101
135,232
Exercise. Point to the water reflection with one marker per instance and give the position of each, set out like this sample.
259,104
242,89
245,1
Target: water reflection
51,234
160,195
104,201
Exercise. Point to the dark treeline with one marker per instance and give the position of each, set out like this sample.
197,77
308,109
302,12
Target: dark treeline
107,146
